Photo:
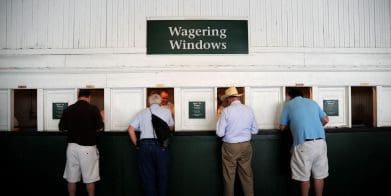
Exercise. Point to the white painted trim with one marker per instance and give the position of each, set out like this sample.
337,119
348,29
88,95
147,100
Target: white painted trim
315,93
379,89
135,50
178,108
349,106
76,51
11,110
320,50
196,18
7,125
378,60
40,110
107,108
247,93
192,79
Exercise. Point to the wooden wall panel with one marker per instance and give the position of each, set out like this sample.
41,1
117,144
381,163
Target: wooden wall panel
4,110
73,24
3,24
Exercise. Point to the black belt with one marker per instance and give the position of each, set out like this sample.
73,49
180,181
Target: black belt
149,139
313,139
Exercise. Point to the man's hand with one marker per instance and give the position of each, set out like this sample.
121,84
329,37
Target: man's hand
132,135
325,120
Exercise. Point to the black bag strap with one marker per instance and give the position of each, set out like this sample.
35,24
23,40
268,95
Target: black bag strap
154,132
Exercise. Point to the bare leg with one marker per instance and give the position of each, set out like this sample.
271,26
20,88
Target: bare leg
305,188
90,188
71,188
319,184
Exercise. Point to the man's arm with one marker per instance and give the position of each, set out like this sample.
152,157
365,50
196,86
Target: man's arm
221,124
171,122
282,127
63,122
132,135
325,120
99,121
254,127
284,119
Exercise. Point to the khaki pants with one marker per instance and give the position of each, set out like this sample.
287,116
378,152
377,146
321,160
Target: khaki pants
237,156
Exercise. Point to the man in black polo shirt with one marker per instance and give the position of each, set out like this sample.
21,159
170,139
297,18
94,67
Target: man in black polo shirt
82,120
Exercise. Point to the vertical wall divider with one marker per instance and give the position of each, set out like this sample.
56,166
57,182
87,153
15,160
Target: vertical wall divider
349,106
10,109
107,108
178,108
378,104
315,93
247,93
40,110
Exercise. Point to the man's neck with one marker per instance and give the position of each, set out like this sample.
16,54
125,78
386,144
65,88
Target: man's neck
87,99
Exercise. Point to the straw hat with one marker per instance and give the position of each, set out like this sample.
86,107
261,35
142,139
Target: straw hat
231,92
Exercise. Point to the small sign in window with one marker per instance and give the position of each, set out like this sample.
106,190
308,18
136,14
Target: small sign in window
330,107
196,110
58,109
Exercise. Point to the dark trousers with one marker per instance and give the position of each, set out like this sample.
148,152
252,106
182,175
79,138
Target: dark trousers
153,167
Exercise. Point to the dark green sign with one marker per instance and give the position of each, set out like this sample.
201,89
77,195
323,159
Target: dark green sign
58,108
196,109
330,107
197,37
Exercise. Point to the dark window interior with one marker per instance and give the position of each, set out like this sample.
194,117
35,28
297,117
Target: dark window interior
25,110
363,106
170,92
97,98
307,91
222,104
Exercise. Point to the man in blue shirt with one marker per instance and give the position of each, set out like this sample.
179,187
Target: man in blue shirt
152,157
235,125
309,154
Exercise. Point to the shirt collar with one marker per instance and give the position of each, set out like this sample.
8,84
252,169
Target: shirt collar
236,102
82,101
298,97
155,105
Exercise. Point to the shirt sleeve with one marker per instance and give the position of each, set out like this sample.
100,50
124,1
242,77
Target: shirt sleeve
284,118
98,118
170,120
221,124
322,114
63,121
136,122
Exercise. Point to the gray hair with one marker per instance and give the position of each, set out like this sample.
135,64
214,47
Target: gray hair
154,99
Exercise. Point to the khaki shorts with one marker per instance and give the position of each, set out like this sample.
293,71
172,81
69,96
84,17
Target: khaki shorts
310,157
82,161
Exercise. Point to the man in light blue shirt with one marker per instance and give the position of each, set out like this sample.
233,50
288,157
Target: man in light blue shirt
309,153
236,124
152,157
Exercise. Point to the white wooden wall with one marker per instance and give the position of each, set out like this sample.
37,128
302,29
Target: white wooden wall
335,93
51,96
5,103
267,103
384,112
80,24
329,45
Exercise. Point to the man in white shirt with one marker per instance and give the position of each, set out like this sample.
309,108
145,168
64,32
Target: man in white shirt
236,124
152,158
165,103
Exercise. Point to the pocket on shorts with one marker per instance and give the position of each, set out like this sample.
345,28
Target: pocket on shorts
301,148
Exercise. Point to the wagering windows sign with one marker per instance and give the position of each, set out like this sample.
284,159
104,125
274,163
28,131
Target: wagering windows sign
197,37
